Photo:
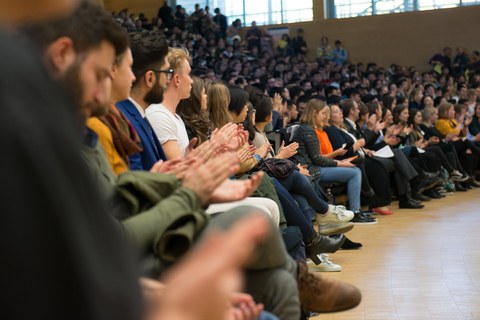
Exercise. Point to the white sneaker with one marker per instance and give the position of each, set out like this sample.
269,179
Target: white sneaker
335,214
330,229
325,266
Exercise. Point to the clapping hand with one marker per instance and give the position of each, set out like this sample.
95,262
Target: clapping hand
235,190
277,101
263,150
408,129
303,169
379,126
203,178
288,151
244,308
246,153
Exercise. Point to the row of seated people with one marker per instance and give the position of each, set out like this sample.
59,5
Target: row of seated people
295,196
164,137
418,133
172,151
159,215
298,79
189,110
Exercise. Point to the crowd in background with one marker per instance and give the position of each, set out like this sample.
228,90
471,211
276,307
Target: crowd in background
218,52
383,133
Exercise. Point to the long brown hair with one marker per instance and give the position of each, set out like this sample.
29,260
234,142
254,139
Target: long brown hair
312,108
190,110
217,104
443,110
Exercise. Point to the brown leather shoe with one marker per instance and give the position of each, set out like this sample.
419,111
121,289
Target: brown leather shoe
320,294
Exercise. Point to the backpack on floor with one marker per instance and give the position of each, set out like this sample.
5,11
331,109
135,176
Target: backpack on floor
447,184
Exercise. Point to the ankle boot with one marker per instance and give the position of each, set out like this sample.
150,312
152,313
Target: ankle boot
350,245
428,175
460,187
322,244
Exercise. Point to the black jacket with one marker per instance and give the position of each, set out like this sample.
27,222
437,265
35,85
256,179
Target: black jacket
339,137
309,149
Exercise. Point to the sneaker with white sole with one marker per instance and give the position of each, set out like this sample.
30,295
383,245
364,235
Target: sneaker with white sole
335,214
334,228
362,219
325,266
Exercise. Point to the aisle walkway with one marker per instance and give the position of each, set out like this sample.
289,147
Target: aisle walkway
417,264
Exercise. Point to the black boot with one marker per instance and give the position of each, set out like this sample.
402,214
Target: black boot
406,203
459,187
433,194
420,184
322,244
420,197
428,175
350,245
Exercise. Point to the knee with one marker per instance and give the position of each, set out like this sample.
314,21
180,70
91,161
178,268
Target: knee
358,172
227,219
277,289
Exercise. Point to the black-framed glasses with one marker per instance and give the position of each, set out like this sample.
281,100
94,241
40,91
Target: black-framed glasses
168,72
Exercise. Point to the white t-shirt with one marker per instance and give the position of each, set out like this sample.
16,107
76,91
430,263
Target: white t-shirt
167,126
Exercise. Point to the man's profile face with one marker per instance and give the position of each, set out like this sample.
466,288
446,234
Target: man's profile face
88,78
185,79
155,95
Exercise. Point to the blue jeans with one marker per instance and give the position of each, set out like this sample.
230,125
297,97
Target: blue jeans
351,176
297,184
265,315
292,212
305,207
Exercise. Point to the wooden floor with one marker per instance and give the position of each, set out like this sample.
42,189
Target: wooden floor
417,264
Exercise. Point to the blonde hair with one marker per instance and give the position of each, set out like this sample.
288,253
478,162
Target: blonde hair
176,56
327,116
218,99
443,110
427,113
312,108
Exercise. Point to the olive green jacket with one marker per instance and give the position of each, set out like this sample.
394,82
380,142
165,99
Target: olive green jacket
157,213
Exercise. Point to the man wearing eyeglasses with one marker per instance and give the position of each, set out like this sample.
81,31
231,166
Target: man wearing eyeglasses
167,124
152,73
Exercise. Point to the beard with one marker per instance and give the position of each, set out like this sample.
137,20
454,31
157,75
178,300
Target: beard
155,95
73,85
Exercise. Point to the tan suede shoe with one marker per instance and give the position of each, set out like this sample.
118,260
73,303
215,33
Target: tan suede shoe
321,294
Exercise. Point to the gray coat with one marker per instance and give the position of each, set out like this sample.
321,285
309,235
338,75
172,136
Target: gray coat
308,152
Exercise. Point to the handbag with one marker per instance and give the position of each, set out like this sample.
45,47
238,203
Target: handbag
277,168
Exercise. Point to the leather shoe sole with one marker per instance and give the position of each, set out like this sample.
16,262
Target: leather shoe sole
410,205
331,229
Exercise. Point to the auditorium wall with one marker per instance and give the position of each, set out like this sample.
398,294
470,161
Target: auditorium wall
406,38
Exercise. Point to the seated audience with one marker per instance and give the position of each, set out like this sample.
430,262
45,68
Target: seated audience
326,170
